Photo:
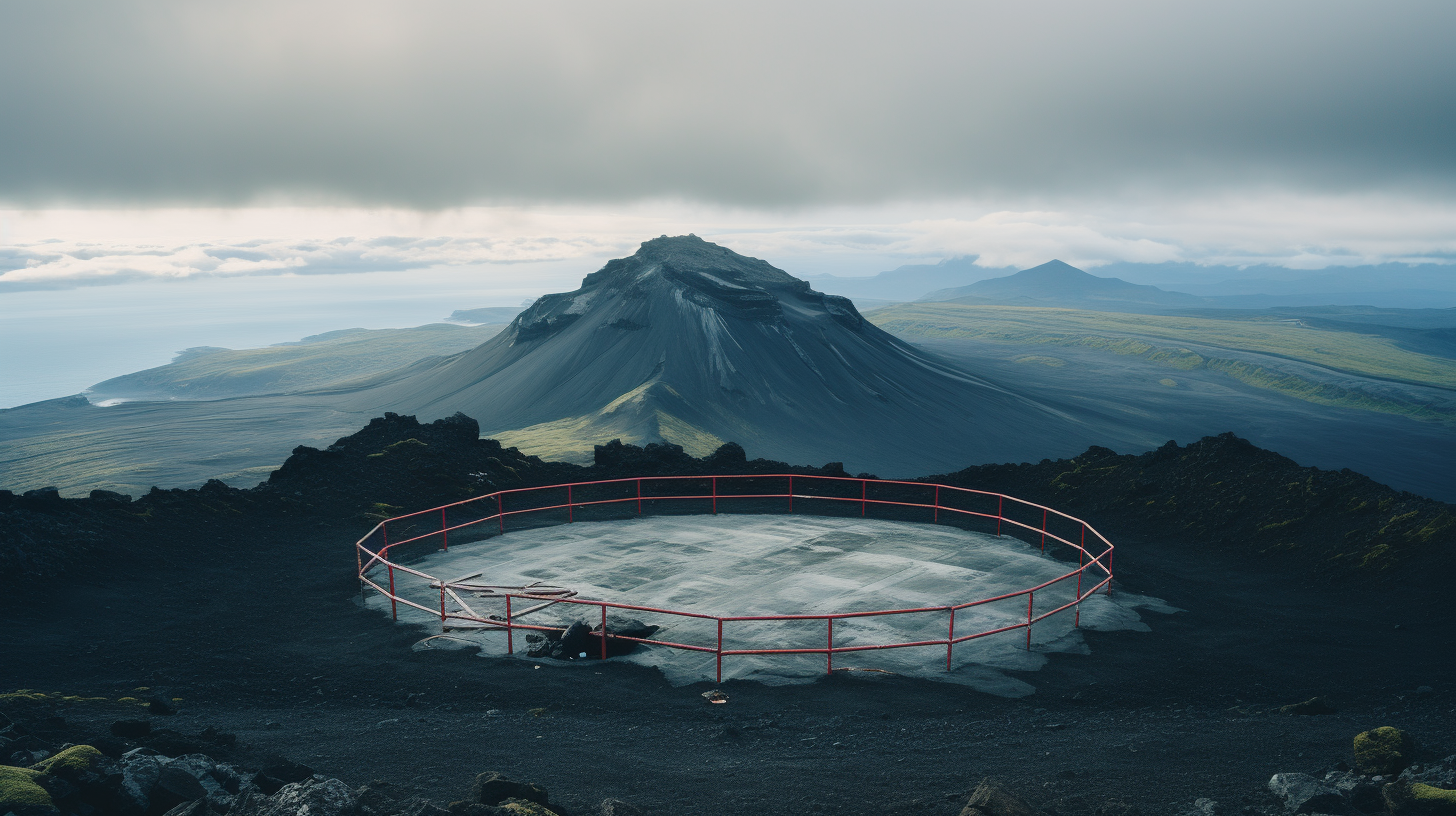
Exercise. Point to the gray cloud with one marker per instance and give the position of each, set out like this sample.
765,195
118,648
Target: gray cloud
760,104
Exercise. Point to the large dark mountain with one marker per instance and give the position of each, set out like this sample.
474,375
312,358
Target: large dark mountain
1059,284
689,342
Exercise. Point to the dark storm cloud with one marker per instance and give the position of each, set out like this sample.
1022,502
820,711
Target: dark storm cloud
434,104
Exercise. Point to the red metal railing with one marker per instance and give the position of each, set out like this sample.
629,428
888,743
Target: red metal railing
942,498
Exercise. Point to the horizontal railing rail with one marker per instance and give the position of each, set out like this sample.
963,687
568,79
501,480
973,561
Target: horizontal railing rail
379,558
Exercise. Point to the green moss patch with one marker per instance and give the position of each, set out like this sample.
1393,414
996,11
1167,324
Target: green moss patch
1383,750
73,760
1432,799
18,789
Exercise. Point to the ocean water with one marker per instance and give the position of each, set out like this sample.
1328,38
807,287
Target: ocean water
57,343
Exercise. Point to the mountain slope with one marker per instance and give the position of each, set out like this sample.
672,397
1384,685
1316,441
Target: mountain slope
326,360
689,342
1055,283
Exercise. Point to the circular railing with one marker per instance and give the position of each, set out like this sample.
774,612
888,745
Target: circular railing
616,498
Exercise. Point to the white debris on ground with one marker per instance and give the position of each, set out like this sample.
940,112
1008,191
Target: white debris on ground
776,564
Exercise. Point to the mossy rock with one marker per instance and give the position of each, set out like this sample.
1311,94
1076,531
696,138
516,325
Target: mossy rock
521,807
18,789
1383,750
74,760
1432,800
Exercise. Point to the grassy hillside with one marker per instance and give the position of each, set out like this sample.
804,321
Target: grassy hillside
323,361
1165,340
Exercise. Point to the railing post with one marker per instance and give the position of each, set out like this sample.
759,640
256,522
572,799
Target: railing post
570,516
393,604
510,633
950,639
604,631
937,504
791,494
720,650
830,652
639,497
863,488
1109,571
1029,597
442,606
1043,529
715,495
359,570
384,552
1077,611
500,513
1000,504
444,532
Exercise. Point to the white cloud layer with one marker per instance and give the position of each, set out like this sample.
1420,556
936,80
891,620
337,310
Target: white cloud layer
63,248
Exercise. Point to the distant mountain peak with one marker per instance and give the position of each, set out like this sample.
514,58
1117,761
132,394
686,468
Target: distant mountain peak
1057,283
1054,267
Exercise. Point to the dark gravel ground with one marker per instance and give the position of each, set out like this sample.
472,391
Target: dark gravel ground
257,632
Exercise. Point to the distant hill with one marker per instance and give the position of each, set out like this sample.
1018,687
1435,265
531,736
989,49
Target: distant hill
321,361
485,316
1390,285
907,282
1059,284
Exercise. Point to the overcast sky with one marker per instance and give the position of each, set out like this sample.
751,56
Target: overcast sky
1299,133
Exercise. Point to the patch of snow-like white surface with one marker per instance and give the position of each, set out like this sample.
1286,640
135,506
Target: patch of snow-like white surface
730,565
721,282
580,303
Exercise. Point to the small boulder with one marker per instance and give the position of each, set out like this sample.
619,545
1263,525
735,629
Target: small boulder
1383,750
175,786
616,807
991,798
618,626
1427,799
493,788
1357,790
1302,793
70,763
311,797
420,807
197,807
575,640
139,774
523,807
20,790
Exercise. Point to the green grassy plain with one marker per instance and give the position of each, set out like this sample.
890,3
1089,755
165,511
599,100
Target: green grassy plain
1160,339
331,360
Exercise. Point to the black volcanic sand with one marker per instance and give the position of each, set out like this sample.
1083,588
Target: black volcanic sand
258,630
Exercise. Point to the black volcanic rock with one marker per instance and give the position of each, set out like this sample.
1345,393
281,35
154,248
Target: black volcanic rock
691,343
1218,492
1224,492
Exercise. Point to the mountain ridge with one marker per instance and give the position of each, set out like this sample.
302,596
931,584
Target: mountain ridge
687,340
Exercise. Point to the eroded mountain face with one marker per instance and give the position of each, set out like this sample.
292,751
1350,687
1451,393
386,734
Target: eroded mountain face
689,342
701,273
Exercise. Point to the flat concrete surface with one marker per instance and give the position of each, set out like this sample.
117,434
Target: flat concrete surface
731,565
